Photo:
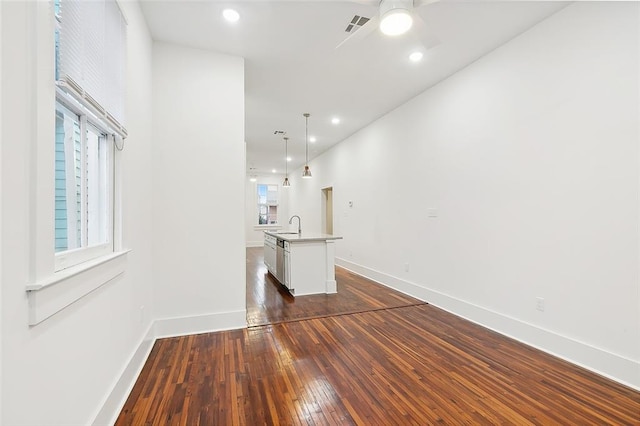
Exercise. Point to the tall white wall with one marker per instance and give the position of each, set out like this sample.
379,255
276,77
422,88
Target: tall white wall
62,370
529,157
1,83
198,197
254,234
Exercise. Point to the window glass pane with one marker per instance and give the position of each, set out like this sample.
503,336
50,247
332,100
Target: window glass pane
267,204
273,214
68,176
272,194
262,194
97,188
82,183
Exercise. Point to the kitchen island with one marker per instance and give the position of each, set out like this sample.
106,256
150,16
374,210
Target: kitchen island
303,262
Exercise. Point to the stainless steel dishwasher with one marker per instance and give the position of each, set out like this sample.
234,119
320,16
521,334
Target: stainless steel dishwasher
280,261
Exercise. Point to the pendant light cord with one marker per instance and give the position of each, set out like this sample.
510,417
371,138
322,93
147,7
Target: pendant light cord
306,137
286,157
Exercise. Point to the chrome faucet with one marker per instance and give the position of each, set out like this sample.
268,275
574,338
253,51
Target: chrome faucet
299,224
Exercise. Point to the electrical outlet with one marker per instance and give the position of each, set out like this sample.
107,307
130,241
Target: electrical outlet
540,304
406,267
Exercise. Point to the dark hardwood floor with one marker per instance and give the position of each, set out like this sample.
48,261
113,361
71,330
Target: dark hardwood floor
268,302
400,363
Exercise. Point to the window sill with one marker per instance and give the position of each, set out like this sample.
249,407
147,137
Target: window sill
53,294
263,227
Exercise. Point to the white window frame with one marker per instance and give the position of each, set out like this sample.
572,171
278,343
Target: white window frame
49,290
73,257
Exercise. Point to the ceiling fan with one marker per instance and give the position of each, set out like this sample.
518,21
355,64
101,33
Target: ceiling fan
394,18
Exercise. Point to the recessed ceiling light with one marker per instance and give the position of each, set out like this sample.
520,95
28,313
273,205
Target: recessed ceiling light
312,139
335,120
288,158
416,56
231,15
273,171
253,179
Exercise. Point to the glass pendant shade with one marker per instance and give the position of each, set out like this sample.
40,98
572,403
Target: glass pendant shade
286,183
307,172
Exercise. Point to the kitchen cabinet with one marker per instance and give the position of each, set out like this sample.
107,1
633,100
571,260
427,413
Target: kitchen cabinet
270,244
308,262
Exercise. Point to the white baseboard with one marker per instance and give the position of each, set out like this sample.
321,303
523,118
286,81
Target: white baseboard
255,243
120,391
170,327
613,366
160,328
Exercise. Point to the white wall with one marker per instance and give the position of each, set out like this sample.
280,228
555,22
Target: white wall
198,197
530,158
62,370
255,234
1,83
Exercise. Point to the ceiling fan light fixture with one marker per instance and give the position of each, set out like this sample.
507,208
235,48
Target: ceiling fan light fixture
396,22
395,16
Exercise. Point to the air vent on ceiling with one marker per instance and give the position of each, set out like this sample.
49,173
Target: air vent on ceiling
356,23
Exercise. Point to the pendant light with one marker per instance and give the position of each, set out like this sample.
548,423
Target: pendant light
286,182
307,172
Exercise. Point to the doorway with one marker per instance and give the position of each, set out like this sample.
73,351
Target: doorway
327,210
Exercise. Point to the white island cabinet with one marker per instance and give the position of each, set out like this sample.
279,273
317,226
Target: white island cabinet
308,261
270,253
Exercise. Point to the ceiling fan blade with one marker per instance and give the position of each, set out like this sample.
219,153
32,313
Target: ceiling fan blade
418,3
366,2
427,37
361,32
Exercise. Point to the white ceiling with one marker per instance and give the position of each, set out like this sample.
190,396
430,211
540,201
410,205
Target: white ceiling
292,66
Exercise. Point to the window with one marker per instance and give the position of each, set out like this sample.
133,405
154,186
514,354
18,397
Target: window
89,62
267,204
76,243
83,190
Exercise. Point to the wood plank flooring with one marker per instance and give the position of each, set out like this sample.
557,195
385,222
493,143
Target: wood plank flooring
268,302
410,364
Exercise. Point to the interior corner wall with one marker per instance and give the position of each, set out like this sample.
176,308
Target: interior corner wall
255,235
199,183
514,179
62,370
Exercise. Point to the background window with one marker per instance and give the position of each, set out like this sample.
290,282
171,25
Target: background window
267,204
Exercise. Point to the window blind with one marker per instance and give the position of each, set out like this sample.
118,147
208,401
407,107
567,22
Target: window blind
92,53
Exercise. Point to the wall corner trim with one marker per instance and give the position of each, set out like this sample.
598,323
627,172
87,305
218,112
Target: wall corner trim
161,328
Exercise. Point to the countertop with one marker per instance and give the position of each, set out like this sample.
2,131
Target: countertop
305,236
